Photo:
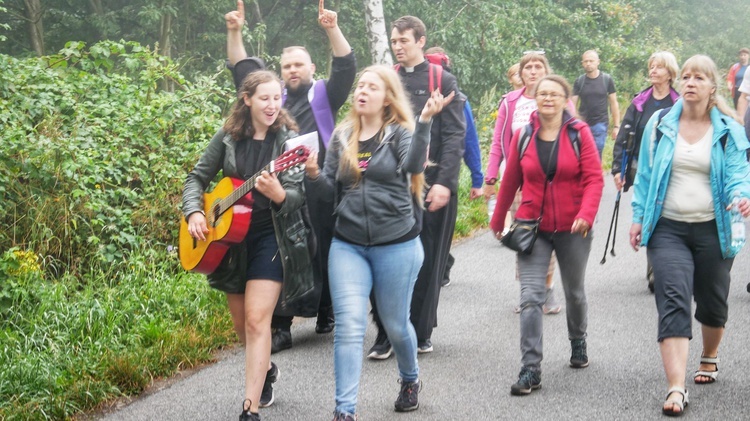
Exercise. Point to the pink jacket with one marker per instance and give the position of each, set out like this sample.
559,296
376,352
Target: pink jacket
503,133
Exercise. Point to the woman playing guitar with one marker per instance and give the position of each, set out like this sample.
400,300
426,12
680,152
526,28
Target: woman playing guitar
274,250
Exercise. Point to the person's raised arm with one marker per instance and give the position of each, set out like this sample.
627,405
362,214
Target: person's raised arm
235,21
328,19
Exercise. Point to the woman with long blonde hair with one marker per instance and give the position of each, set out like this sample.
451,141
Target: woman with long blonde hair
373,170
691,165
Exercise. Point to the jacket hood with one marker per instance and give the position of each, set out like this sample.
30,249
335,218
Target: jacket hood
645,94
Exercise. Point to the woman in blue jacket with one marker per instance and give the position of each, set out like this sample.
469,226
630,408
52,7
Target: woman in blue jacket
373,169
691,164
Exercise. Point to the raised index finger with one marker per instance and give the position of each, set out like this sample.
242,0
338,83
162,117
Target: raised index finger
241,9
321,7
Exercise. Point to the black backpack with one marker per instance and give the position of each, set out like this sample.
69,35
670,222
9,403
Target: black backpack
575,141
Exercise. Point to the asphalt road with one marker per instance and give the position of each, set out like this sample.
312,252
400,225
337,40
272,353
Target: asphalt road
477,356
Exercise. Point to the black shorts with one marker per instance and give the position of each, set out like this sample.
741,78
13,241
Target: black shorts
263,262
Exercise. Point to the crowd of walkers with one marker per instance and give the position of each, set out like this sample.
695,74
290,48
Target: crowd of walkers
369,223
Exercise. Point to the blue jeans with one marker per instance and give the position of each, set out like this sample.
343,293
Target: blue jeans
390,272
599,131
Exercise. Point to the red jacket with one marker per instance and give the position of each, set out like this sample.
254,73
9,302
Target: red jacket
575,190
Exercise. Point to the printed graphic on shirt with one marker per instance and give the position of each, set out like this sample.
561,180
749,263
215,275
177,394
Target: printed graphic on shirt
524,107
364,160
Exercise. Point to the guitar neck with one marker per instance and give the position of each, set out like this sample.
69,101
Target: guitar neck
240,191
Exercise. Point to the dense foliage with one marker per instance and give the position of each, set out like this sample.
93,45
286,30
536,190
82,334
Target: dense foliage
93,304
484,36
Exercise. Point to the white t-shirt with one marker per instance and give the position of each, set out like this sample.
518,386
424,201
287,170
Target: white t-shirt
745,86
689,197
521,116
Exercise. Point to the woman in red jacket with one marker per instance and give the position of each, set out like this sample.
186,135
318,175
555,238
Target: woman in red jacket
562,182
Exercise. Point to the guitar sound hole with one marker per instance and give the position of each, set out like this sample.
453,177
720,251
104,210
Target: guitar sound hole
216,213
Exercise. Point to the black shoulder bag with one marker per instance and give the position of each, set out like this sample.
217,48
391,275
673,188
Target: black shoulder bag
522,234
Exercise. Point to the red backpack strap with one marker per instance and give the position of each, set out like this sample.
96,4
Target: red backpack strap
435,74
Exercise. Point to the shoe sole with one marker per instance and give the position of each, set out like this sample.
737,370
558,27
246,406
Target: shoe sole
524,392
261,404
409,409
327,329
584,365
424,350
378,356
553,310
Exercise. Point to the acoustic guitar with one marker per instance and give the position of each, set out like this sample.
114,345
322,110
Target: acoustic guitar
228,208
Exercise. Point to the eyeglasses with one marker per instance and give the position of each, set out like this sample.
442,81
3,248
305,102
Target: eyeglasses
551,95
540,52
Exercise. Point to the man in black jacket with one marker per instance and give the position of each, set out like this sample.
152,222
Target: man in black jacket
303,100
446,152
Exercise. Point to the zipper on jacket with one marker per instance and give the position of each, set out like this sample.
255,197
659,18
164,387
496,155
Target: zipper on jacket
554,211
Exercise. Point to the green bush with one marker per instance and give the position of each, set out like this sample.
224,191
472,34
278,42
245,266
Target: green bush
93,154
93,303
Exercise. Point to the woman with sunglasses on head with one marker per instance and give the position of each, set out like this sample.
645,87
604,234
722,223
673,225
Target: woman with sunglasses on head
274,250
513,114
562,185
692,164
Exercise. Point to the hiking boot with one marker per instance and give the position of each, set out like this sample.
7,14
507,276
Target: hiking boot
382,349
551,306
408,397
246,415
325,322
266,396
343,416
578,357
281,339
528,381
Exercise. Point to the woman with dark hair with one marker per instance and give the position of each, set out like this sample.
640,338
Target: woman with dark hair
274,249
374,171
692,164
562,185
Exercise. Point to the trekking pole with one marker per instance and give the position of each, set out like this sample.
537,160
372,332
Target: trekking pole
611,225
617,220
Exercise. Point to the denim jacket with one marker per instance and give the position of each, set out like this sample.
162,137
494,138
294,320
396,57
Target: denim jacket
292,233
729,172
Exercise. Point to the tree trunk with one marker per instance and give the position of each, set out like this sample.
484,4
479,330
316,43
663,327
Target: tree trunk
376,32
34,14
165,45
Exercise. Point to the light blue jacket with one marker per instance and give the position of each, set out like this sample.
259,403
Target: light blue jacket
730,172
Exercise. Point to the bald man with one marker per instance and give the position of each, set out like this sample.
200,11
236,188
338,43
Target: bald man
595,90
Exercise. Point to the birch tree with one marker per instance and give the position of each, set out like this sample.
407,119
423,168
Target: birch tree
376,33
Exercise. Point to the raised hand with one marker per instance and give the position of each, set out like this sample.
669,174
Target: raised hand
328,19
236,18
435,104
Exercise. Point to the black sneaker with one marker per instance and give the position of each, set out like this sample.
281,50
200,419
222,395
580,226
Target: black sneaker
325,322
382,349
408,397
246,415
424,346
528,381
343,416
280,340
266,396
578,357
